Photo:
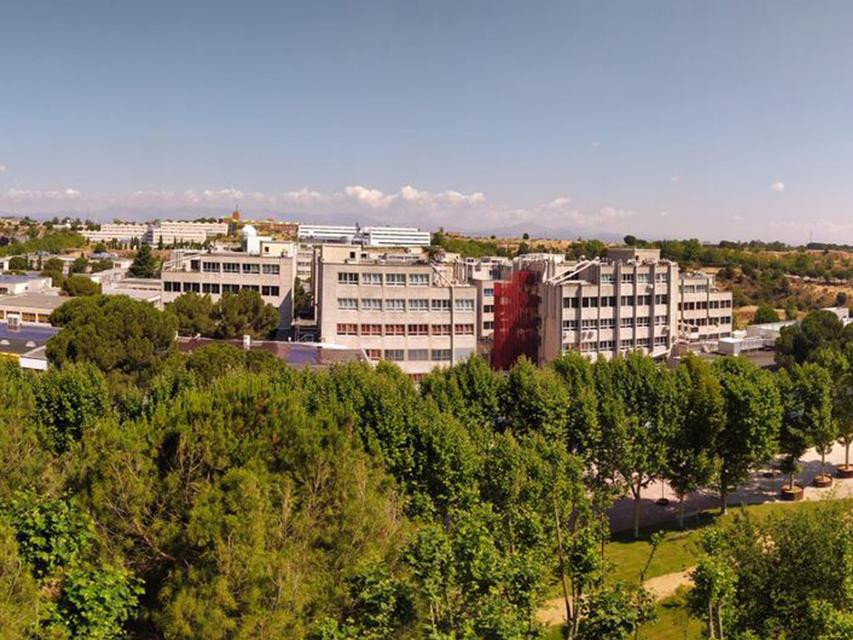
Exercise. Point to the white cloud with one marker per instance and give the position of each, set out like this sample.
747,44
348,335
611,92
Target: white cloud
663,214
218,195
778,186
3,168
676,178
373,198
20,195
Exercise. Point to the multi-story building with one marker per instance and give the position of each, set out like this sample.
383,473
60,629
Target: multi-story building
218,272
705,312
482,274
122,233
624,303
172,232
366,236
397,307
13,284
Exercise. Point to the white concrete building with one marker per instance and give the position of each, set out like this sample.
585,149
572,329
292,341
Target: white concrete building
219,272
399,308
375,236
705,312
13,284
122,232
171,232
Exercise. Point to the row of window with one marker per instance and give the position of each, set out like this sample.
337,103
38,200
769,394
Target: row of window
353,329
591,302
610,323
26,316
417,355
248,268
704,322
399,304
215,288
628,278
389,279
705,304
694,288
610,345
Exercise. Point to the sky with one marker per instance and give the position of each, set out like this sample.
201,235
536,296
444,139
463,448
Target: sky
660,118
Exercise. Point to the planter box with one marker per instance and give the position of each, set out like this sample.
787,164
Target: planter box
822,481
791,495
844,471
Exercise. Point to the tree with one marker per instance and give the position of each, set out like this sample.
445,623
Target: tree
690,452
67,402
245,312
636,402
116,333
806,392
765,314
144,265
20,607
301,300
194,314
797,342
79,265
19,263
53,265
80,286
104,264
753,411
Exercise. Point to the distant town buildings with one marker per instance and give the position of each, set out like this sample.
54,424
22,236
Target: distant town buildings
366,236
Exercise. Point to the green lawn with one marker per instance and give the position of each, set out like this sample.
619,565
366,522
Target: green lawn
677,552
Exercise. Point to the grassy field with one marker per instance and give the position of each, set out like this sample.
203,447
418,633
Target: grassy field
677,552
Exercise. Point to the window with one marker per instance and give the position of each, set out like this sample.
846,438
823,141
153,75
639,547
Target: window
462,353
627,301
661,298
419,279
230,288
28,317
395,279
464,304
251,268
347,278
348,304
643,321
588,302
440,330
395,355
418,354
441,355
660,340
417,304
606,345
251,287
372,279
418,329
373,354
371,329
395,305
589,324
395,329
488,308
440,305
230,267
488,325
347,329
607,301
642,278
660,320
210,267
208,287
171,286
607,323
570,325
269,290
627,278
606,278
660,278
642,342
488,293
627,322
644,300
192,286
371,304
271,269
44,318
570,303
463,329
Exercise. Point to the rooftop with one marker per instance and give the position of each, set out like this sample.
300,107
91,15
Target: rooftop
47,301
24,339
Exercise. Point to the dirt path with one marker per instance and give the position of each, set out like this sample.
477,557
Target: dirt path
553,612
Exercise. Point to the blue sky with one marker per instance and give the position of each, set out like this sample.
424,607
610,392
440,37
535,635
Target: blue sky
659,118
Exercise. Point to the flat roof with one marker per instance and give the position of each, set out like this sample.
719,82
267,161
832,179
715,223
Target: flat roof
9,278
34,300
24,339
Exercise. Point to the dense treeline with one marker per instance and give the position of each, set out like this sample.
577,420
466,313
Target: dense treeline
147,494
51,242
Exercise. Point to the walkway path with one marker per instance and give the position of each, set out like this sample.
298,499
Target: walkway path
553,612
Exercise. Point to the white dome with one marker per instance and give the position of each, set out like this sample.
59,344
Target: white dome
248,230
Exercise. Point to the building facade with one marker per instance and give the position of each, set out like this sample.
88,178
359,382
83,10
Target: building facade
122,233
172,232
367,236
705,312
400,308
221,272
